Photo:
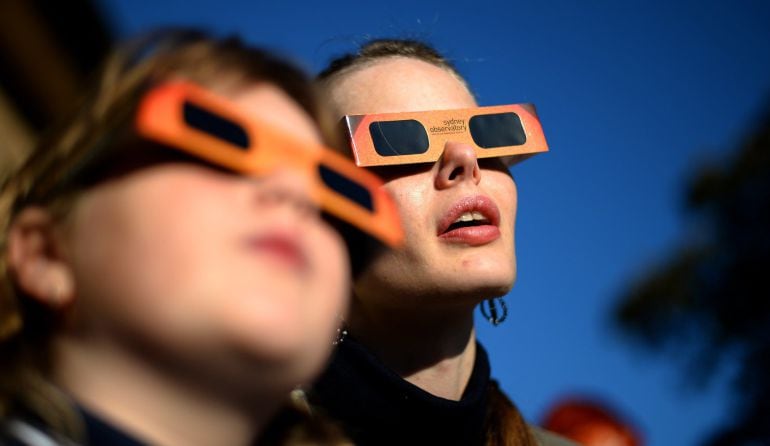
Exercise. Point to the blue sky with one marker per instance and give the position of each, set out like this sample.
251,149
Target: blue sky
632,95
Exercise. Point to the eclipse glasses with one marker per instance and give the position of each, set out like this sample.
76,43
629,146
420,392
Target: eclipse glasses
510,131
188,118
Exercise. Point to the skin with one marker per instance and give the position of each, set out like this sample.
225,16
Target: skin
195,299
432,285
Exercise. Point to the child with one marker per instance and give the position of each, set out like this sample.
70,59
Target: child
167,277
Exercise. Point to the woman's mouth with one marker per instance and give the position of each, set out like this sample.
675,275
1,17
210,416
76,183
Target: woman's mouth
473,221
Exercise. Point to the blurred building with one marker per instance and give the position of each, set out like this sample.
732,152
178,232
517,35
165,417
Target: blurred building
47,51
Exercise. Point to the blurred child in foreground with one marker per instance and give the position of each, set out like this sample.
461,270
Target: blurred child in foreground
166,274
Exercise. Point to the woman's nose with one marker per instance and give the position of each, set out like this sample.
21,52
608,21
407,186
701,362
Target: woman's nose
458,163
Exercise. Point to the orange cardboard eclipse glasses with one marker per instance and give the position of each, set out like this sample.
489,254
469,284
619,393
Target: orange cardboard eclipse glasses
382,139
191,119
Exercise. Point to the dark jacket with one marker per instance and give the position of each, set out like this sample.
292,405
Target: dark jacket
375,406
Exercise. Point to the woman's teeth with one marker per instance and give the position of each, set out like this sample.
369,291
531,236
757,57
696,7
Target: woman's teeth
470,216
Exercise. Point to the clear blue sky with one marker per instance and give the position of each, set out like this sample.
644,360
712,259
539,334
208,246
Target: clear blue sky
632,96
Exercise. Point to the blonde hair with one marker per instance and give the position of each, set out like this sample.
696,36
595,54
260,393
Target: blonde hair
53,176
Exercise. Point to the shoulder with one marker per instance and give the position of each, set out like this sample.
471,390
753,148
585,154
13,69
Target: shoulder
546,438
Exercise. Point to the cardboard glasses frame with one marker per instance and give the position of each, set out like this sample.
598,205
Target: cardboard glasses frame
517,125
189,118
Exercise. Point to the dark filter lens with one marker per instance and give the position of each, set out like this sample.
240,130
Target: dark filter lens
497,130
345,187
215,125
391,138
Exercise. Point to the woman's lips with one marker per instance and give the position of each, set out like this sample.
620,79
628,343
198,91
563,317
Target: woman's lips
481,216
283,249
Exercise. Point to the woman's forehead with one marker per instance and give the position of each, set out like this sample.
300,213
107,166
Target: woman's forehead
397,84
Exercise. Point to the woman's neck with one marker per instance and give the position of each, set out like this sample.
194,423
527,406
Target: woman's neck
152,405
432,350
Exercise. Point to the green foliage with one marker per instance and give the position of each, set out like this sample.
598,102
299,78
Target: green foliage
711,299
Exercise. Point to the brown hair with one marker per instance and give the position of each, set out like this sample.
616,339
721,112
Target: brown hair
377,49
101,123
504,423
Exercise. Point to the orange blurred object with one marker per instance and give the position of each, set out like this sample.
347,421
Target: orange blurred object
590,423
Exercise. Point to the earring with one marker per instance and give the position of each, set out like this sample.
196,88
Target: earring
342,332
490,311
298,399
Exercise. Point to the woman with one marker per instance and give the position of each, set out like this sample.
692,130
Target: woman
166,275
410,370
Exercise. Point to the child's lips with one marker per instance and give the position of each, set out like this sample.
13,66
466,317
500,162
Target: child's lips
283,249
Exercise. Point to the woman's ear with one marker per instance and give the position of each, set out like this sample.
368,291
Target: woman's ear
34,259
